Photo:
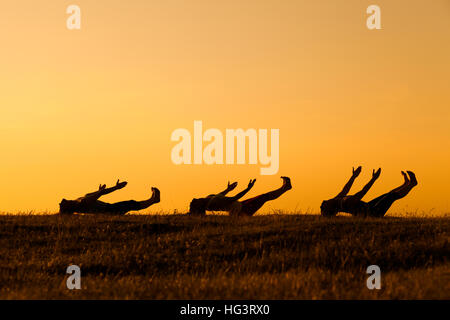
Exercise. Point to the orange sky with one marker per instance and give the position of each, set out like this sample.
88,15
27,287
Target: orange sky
88,106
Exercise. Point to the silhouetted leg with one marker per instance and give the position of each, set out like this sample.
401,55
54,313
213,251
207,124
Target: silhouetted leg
405,183
379,206
125,206
406,188
250,206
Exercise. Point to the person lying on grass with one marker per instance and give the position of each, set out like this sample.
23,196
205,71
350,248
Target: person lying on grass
219,201
377,207
90,203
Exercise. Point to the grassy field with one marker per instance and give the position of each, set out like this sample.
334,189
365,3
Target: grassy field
218,257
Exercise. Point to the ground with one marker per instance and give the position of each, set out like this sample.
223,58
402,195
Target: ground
218,257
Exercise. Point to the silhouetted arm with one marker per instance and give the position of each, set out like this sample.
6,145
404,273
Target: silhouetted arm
102,190
243,192
349,184
362,193
229,188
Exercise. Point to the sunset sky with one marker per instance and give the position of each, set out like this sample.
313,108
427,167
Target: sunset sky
90,106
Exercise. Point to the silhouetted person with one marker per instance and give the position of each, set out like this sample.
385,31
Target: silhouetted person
90,203
375,208
219,202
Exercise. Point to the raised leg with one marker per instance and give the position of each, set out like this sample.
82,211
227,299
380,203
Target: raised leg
379,206
406,187
250,206
125,206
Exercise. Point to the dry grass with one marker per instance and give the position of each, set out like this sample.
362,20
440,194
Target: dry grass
218,257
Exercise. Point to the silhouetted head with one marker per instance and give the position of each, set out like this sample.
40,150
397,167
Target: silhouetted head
198,206
67,206
329,208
